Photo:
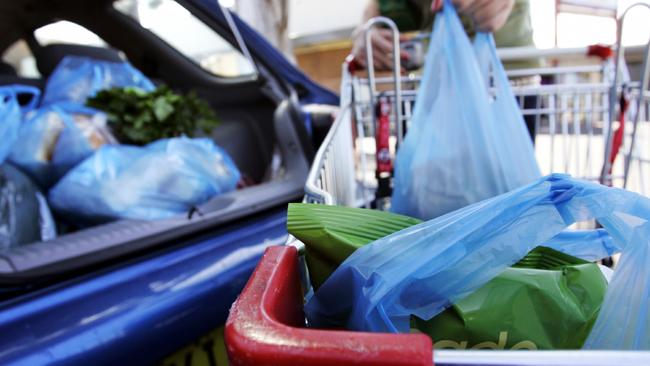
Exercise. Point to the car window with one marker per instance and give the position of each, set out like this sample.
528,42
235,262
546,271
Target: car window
188,34
20,57
67,32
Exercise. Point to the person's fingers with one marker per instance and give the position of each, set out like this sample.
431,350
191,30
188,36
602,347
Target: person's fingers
487,11
361,61
493,17
491,23
488,15
462,5
385,46
477,5
436,5
383,50
359,54
383,38
383,61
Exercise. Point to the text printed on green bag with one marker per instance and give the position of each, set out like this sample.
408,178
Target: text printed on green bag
501,343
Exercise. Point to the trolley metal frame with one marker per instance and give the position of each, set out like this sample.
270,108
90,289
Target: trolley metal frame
266,324
576,120
342,171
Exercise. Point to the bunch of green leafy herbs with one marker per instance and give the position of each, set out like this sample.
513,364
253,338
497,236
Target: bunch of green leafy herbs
139,117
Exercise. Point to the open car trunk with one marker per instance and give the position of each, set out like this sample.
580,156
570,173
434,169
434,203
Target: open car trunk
262,129
70,252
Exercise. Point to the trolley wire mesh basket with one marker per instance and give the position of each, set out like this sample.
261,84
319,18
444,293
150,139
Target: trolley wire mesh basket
590,121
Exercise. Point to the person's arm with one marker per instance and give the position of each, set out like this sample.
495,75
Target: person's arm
382,41
488,15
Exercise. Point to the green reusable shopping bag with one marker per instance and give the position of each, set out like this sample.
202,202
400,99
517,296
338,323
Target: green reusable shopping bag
549,300
332,233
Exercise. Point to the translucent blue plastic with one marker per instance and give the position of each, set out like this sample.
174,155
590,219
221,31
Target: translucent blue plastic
160,180
75,79
424,269
50,143
11,114
466,142
591,245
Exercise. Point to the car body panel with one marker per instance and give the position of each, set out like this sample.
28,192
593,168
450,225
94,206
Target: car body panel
139,313
144,307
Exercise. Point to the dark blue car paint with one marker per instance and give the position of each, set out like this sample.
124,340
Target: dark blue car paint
139,313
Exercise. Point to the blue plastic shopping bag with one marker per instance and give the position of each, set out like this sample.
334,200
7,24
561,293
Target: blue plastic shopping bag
160,180
428,267
54,138
591,245
11,114
75,79
24,214
467,141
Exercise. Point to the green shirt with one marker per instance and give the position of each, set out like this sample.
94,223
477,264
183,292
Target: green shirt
416,15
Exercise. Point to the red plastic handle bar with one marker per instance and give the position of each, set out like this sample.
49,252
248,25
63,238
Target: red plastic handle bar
352,64
266,326
602,51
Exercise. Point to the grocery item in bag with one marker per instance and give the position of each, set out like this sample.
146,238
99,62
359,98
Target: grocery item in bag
464,143
548,300
424,269
159,180
137,117
332,233
53,139
24,214
11,114
76,78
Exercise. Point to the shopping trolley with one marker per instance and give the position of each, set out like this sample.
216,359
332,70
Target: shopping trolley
570,109
584,119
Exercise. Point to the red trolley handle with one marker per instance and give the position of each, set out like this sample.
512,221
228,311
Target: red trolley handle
266,326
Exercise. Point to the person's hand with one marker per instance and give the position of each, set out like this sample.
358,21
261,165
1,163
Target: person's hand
382,48
488,15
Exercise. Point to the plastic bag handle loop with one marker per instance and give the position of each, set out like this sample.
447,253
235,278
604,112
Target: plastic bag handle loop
457,35
12,91
29,90
485,42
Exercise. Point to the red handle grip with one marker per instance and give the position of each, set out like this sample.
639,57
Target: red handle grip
266,326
